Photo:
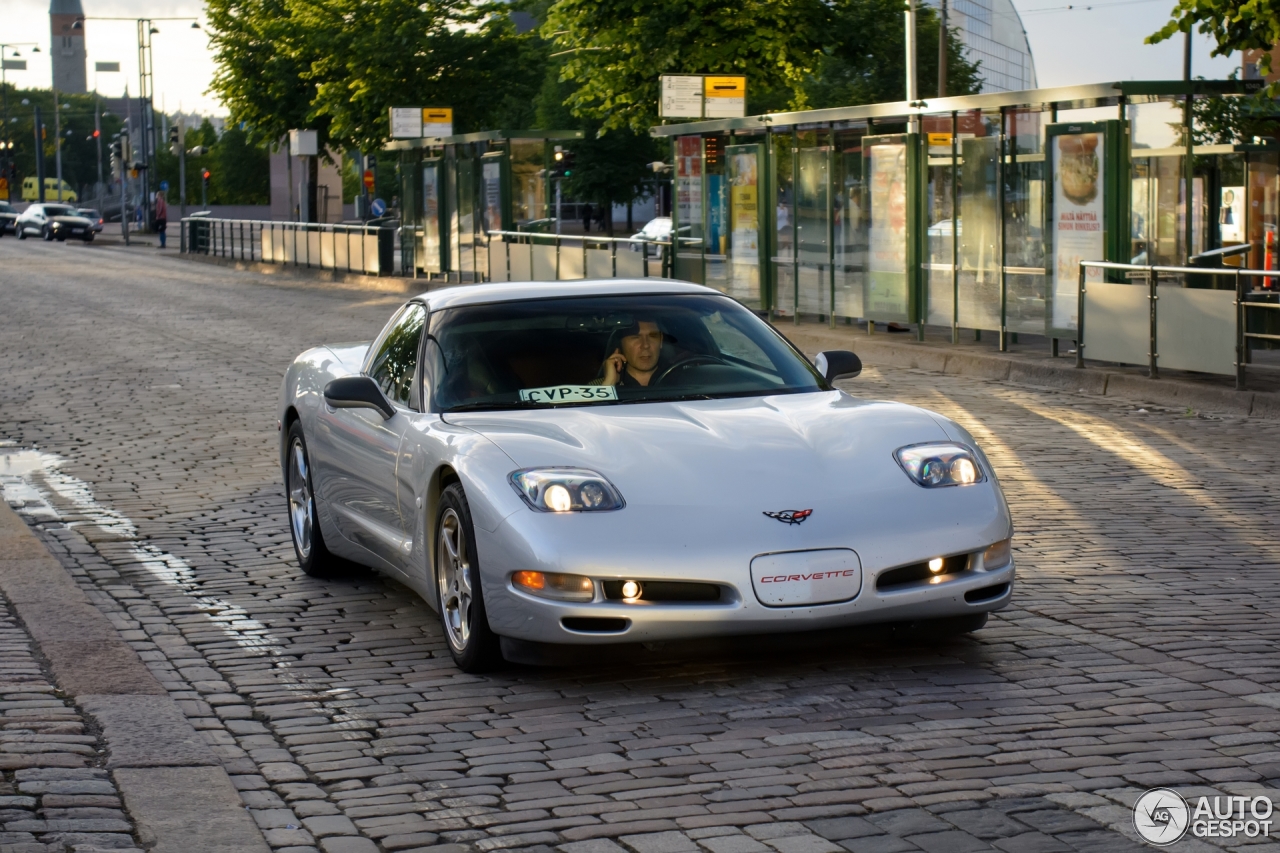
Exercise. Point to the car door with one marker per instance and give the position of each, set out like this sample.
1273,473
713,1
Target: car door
359,447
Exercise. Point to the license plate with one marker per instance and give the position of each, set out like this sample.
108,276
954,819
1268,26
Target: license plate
794,578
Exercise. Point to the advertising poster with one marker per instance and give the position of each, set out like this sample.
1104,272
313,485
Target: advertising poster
689,182
744,224
1231,215
492,196
431,218
887,261
1077,220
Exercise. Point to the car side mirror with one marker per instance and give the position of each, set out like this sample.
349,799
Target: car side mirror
357,392
837,364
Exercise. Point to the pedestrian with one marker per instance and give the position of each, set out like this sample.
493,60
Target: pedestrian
586,219
162,216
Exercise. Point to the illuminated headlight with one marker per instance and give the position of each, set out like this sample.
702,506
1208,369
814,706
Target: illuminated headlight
555,585
941,464
566,490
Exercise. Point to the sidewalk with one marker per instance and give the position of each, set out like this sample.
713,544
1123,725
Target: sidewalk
1030,363
94,753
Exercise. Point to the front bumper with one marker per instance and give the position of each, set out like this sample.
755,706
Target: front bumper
520,615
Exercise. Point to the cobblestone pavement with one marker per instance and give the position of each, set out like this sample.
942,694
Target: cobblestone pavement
54,794
138,397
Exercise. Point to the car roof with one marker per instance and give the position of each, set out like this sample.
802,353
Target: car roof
517,291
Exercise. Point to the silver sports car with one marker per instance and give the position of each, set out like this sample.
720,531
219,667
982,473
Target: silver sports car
627,461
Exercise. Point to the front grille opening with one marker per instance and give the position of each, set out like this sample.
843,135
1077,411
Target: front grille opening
595,624
665,592
916,573
986,593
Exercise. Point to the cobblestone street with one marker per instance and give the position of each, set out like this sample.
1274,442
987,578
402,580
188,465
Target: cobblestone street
138,434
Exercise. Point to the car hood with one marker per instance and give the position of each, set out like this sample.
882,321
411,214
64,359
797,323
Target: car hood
771,453
71,220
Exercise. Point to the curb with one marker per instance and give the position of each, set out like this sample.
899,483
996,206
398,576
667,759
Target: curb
1094,381
174,788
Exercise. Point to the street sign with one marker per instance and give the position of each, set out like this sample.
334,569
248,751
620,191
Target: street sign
106,67
14,64
406,122
681,97
368,179
164,186
726,97
378,207
936,139
304,143
437,121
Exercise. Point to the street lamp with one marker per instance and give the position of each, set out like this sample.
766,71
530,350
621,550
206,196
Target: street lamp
20,65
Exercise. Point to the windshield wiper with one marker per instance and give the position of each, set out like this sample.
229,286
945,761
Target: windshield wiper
492,407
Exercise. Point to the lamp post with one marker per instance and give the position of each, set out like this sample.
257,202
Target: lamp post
4,90
146,29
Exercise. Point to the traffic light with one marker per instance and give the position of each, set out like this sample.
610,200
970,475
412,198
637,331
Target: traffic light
562,165
205,174
567,163
175,141
117,159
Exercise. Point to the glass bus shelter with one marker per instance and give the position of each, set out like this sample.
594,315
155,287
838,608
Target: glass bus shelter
454,190
968,212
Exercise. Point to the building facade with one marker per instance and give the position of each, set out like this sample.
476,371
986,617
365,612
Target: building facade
992,32
66,31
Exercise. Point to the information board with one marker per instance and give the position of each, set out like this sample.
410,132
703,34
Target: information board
437,121
724,97
681,96
406,122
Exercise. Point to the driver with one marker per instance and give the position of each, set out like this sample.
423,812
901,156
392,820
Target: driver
635,361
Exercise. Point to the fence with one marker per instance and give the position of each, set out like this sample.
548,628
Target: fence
1171,325
353,248
530,256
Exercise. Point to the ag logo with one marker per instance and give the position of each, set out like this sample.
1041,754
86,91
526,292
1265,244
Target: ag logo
1161,816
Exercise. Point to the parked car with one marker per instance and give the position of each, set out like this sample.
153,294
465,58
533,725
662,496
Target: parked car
657,230
30,191
54,222
8,216
487,451
94,217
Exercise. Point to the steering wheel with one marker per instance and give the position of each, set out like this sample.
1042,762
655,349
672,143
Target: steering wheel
685,362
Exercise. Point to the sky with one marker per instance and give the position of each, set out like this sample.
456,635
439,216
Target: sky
1090,43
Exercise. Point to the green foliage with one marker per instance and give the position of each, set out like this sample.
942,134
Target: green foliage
1234,25
338,65
863,58
240,170
616,49
1227,121
79,150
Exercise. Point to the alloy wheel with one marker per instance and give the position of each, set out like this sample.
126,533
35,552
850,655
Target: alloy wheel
456,594
301,504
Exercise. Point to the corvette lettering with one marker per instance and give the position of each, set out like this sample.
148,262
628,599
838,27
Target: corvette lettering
816,576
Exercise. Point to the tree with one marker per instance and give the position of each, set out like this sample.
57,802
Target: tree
79,150
1234,25
617,50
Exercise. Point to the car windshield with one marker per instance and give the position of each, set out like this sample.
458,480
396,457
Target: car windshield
90,212
59,210
607,350
5,207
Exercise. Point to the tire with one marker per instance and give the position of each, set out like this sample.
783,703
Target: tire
47,234
304,525
459,595
88,238
22,233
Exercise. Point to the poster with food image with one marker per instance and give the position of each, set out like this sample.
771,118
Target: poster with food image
1077,227
887,259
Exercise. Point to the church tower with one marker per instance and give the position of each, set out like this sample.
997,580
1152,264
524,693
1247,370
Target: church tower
67,46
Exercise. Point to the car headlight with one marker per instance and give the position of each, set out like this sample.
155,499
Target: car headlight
566,490
940,464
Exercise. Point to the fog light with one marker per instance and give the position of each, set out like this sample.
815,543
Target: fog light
554,585
631,589
935,565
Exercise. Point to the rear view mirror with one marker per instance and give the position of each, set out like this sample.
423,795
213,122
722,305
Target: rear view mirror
357,392
837,364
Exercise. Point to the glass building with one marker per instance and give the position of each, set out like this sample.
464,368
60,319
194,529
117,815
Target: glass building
992,32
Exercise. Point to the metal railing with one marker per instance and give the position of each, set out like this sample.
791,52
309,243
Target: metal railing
353,248
1205,322
592,256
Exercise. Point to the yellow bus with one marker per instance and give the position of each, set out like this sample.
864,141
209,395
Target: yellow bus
30,190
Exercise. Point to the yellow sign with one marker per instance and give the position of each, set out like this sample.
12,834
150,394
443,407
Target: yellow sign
437,121
939,139
725,87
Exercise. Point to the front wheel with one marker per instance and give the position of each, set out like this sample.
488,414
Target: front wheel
88,238
47,234
308,543
22,233
472,643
